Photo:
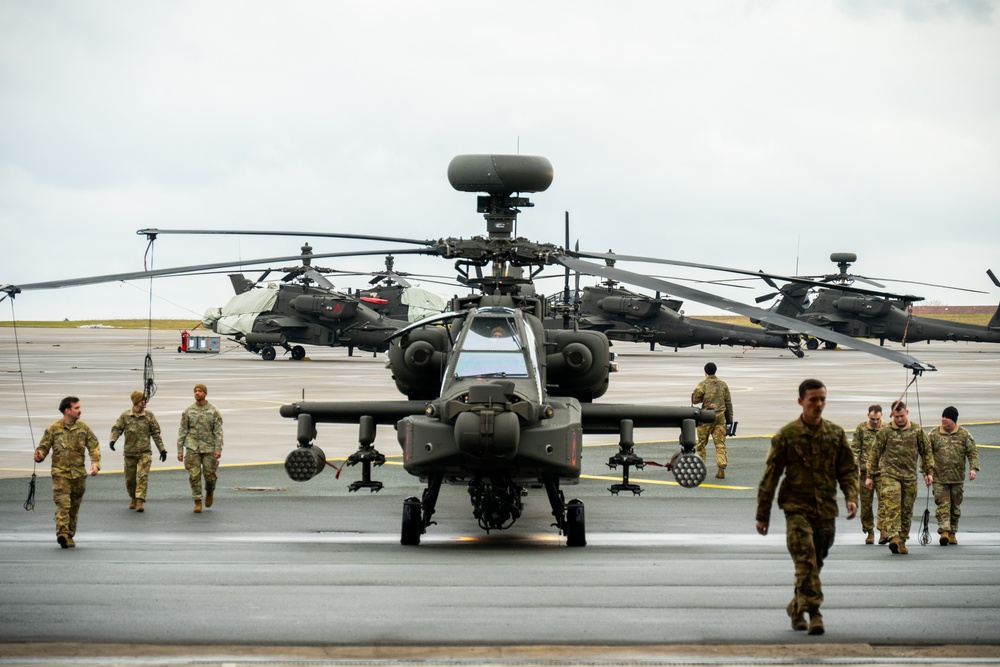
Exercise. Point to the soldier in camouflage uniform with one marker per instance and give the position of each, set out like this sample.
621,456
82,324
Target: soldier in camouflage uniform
713,394
69,439
814,457
894,456
139,426
951,445
864,436
199,445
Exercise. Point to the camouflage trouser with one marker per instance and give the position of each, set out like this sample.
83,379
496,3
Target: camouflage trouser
866,499
809,541
198,464
67,494
948,498
896,497
718,431
137,474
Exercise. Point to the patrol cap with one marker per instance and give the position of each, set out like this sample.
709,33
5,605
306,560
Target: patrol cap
137,396
951,412
202,387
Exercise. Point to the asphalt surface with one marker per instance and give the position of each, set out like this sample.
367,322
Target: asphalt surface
279,572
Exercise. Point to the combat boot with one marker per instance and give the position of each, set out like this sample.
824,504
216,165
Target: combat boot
882,537
209,498
197,507
902,548
69,542
131,505
798,618
952,539
63,541
871,537
816,623
138,505
944,539
894,545
721,474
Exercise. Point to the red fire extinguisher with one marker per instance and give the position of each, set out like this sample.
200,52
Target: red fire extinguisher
184,342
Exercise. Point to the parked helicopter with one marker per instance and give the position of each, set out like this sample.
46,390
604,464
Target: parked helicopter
494,401
833,302
622,314
304,309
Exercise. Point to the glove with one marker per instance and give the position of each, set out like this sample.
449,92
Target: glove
112,445
163,455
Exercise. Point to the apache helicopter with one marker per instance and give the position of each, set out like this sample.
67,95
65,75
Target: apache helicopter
305,309
494,401
865,313
625,315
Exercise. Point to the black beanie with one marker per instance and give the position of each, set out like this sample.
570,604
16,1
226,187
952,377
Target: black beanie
951,412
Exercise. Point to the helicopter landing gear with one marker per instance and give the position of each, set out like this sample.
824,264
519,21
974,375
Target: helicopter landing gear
625,458
812,343
268,353
569,516
417,513
298,352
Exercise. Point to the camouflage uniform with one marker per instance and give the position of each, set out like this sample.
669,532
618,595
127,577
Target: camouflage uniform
894,456
199,438
69,445
814,460
713,394
861,444
950,452
138,429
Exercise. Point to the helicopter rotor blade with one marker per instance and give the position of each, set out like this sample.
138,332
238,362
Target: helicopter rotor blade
188,270
252,232
996,282
729,305
318,278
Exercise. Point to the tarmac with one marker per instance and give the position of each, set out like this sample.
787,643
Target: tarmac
279,572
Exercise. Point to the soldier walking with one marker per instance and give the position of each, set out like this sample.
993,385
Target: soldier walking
951,445
814,457
199,445
861,444
138,425
713,394
69,439
893,456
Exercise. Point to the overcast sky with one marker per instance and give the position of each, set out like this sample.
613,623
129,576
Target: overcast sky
763,135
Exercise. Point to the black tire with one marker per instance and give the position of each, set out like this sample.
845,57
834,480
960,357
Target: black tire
298,352
412,523
812,344
268,353
830,345
180,349
576,531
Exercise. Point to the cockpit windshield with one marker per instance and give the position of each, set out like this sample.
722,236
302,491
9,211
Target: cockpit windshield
492,347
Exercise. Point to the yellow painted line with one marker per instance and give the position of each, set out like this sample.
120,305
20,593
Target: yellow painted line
663,482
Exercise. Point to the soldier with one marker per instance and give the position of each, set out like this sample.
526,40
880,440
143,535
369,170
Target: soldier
814,456
199,445
713,394
69,439
951,445
894,456
139,426
864,436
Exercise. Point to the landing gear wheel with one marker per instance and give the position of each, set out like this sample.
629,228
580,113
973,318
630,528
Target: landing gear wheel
830,345
798,353
298,352
267,354
576,531
812,344
412,522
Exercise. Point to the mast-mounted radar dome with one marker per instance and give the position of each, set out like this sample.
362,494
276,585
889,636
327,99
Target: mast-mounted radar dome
500,174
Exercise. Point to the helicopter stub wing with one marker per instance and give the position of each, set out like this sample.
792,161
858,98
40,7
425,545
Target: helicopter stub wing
743,309
607,417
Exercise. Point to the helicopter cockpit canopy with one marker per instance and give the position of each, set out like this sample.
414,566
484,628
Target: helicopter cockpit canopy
496,344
